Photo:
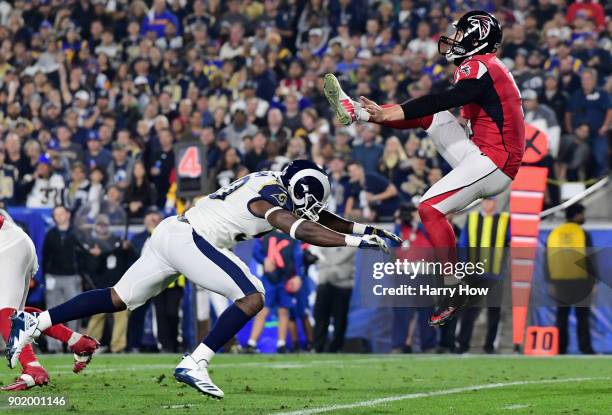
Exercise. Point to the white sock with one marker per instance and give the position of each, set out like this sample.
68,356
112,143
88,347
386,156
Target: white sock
360,113
252,343
75,337
202,355
44,321
280,343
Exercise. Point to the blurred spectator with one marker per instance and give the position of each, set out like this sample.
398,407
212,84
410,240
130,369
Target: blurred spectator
111,206
571,284
161,164
486,228
77,192
283,270
339,184
8,179
118,172
105,260
240,127
140,192
369,153
586,9
276,131
371,196
414,180
555,98
229,168
96,155
167,313
44,187
155,21
68,149
393,160
542,116
336,279
574,155
423,44
516,42
591,105
257,154
59,253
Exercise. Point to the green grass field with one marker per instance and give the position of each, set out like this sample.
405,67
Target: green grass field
333,384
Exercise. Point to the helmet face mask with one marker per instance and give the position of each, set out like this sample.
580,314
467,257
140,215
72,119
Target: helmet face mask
449,46
310,210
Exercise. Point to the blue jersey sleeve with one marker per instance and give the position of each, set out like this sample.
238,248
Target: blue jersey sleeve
277,196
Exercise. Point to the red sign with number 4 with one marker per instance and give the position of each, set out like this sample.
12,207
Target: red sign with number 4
190,165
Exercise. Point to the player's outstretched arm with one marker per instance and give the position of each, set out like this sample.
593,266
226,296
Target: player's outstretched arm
461,93
312,232
342,225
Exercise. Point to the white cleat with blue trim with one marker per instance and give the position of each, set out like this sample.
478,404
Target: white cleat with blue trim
190,373
24,329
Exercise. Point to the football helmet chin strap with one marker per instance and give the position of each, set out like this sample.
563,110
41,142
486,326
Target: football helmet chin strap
450,57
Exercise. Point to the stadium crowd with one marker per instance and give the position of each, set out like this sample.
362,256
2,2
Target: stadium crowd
94,95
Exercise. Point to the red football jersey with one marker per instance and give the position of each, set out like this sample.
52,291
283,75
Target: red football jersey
496,118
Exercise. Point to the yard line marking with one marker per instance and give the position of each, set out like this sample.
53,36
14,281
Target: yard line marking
516,406
378,401
178,406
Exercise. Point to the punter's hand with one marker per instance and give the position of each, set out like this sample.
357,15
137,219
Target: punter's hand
383,233
367,242
375,111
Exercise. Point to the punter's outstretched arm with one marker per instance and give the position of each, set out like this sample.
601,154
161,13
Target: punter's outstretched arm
342,225
312,232
460,94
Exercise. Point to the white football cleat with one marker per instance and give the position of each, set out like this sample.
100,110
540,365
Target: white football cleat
190,373
24,329
345,108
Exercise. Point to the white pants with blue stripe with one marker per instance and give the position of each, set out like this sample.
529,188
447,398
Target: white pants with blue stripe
174,248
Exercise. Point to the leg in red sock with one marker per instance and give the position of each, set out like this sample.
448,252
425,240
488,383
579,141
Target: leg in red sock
422,122
59,331
439,230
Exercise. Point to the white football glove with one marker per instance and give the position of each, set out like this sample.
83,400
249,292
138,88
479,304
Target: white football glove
367,242
371,230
